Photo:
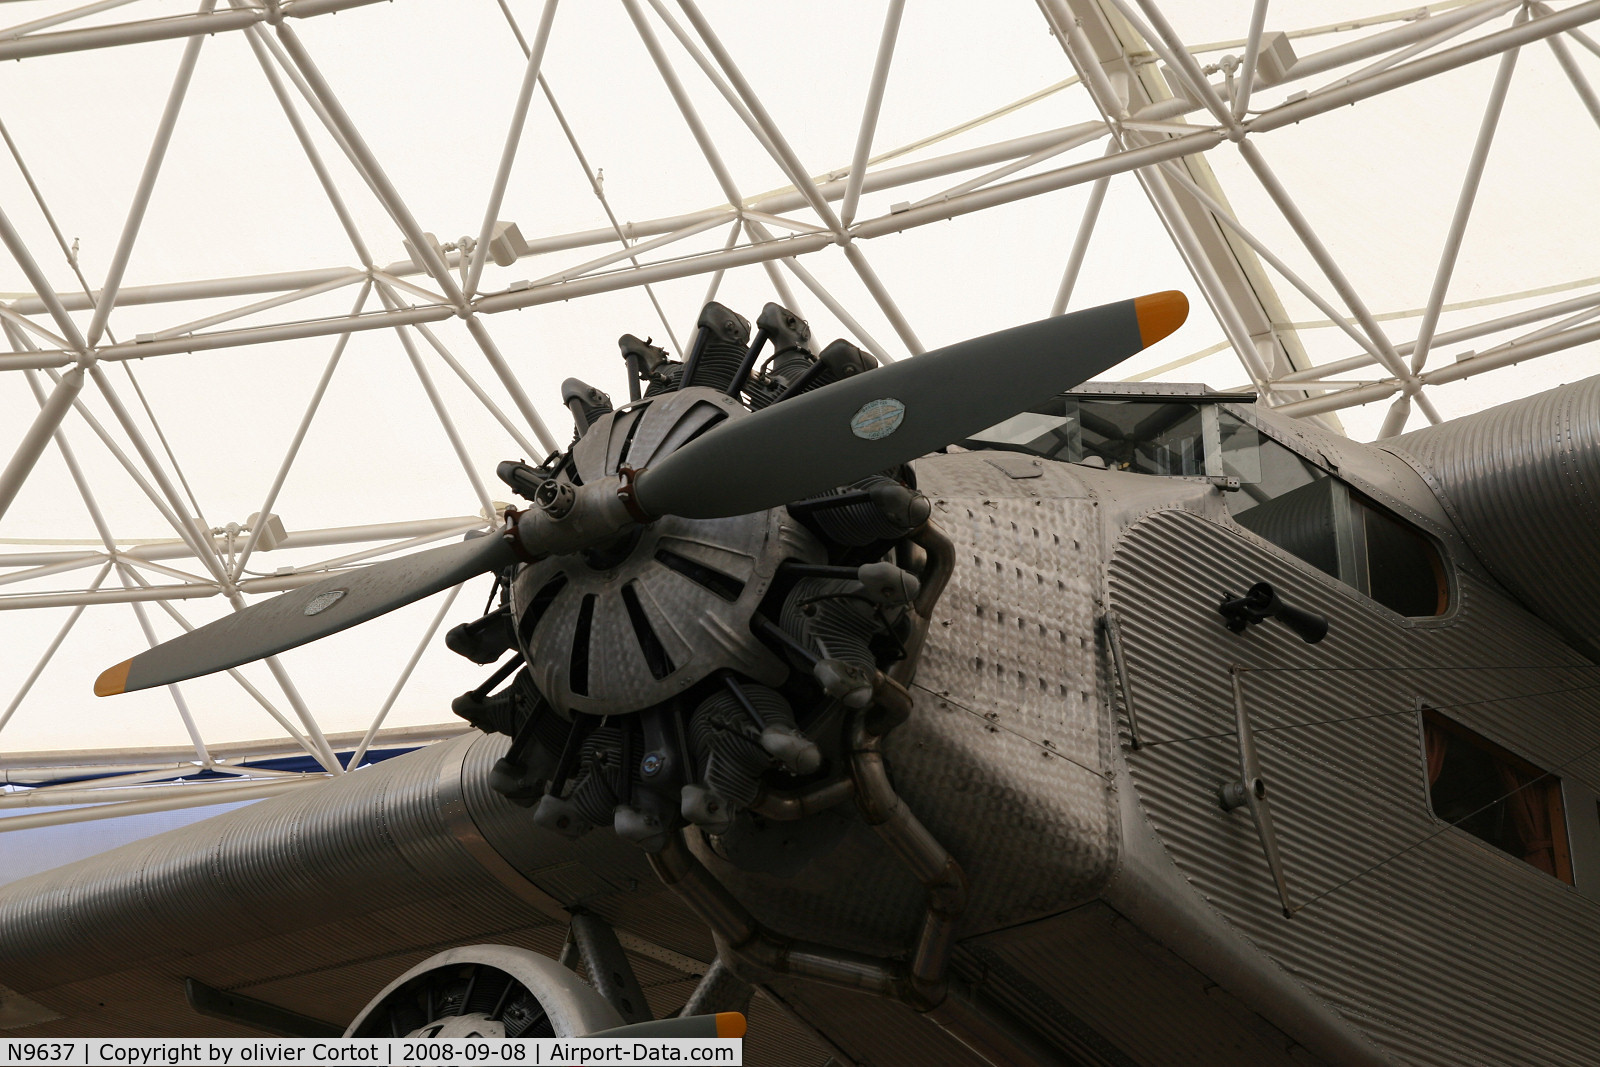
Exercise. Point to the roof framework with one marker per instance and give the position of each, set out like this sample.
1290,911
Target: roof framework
1201,129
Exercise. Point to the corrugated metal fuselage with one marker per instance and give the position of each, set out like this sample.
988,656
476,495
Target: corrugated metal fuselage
1411,942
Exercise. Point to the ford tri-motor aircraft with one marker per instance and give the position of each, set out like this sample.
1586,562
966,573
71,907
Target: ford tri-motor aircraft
957,711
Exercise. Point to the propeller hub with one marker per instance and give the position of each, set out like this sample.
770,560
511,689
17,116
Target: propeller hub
634,621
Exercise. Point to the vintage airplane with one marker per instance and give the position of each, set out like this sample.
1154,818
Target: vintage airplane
969,713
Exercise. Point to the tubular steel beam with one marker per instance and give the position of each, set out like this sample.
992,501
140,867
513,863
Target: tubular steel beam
41,285
49,652
258,47
702,138
183,522
265,511
705,263
172,690
1504,356
405,676
33,443
589,175
440,411
22,29
1165,41
194,27
1410,32
1080,245
168,801
477,390
1464,202
234,673
19,43
508,379
873,181
205,342
1225,217
1569,66
1202,262
508,153
388,195
1454,29
870,110
1464,333
147,181
1324,259
785,155
1081,134
268,304
144,551
1247,68
1535,29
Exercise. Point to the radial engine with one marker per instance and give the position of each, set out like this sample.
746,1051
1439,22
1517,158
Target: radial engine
698,671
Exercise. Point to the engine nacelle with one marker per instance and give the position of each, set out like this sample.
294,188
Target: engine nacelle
486,991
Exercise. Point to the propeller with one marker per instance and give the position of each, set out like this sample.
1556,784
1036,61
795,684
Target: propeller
803,446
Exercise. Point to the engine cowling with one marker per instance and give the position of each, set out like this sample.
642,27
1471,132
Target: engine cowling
485,991
632,624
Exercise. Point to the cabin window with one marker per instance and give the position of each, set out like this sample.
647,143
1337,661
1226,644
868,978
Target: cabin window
1496,796
1312,515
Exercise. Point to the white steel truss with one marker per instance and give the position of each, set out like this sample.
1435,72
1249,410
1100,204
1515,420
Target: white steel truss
1171,113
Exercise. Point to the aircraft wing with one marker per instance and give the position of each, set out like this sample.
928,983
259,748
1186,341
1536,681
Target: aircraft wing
312,902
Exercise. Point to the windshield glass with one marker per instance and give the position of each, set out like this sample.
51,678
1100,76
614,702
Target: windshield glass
1140,436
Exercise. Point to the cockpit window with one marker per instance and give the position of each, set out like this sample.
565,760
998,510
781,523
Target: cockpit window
1280,496
1290,503
1310,514
1141,436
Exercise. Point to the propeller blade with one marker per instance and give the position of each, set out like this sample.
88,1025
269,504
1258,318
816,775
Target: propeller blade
852,428
306,614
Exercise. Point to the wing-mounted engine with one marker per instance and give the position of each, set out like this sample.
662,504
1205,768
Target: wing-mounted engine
694,669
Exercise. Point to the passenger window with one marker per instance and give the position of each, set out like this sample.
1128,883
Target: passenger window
1496,796
1311,515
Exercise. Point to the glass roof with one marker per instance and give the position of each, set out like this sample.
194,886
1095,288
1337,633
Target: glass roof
241,183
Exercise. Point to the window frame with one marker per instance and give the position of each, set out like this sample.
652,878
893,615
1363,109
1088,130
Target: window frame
1555,793
1350,536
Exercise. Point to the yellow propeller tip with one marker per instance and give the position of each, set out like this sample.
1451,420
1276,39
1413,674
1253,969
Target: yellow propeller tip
730,1024
113,680
1160,314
